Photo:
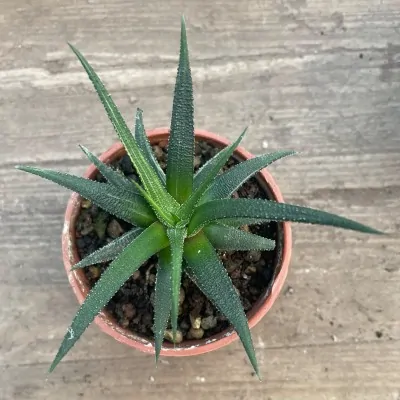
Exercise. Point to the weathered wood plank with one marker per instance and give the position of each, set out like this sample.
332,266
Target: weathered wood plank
316,76
363,377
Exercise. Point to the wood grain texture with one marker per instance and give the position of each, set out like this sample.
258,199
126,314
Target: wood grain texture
317,76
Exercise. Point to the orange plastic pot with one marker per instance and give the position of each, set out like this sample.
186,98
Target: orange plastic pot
106,322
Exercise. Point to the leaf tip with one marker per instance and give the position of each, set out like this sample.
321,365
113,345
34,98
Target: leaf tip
72,47
183,30
377,232
84,149
53,365
256,369
243,134
24,168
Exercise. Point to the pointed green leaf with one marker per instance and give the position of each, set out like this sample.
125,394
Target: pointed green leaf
265,210
125,205
238,222
144,145
207,272
147,175
205,177
176,238
116,178
181,140
229,238
163,298
110,250
220,158
150,241
163,214
225,184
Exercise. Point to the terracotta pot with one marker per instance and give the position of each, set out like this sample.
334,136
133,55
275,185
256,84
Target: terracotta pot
107,323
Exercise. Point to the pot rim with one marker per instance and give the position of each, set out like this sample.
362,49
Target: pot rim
105,321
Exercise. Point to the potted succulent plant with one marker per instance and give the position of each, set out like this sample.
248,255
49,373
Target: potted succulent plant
177,215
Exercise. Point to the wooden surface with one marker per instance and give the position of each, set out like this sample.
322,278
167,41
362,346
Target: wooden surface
321,77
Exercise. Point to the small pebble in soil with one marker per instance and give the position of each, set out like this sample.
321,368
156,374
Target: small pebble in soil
209,309
158,152
136,275
86,230
184,325
126,165
195,334
197,161
235,274
152,279
209,322
147,319
254,291
114,229
95,271
100,224
163,144
233,265
169,336
86,203
124,322
250,270
195,321
253,255
181,296
129,310
246,304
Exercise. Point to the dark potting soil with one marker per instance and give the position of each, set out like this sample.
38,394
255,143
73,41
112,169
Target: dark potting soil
132,306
